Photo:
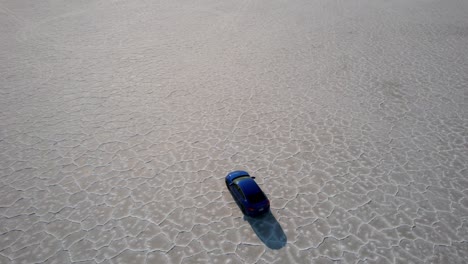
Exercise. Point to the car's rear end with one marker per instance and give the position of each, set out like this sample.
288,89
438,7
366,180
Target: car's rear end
257,202
258,209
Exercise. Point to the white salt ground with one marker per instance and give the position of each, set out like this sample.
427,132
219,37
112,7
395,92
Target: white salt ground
119,120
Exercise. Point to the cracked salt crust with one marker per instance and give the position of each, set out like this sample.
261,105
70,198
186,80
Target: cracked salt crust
119,120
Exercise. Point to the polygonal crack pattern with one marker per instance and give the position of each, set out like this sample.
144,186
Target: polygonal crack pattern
120,119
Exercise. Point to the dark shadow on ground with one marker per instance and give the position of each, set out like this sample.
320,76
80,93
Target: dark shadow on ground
268,230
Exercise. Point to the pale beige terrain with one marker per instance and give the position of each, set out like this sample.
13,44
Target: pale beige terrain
120,119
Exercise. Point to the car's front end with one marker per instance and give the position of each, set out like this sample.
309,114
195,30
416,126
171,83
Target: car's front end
234,175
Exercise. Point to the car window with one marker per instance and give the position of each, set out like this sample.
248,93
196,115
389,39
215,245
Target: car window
256,197
240,178
240,191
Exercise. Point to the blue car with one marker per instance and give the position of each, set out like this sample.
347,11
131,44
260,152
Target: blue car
247,194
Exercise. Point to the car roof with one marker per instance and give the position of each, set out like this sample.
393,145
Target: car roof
249,186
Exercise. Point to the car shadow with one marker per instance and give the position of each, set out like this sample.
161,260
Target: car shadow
269,230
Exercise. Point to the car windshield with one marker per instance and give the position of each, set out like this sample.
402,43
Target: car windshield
240,178
256,197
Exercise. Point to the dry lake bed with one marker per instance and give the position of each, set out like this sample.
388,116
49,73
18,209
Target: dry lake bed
120,119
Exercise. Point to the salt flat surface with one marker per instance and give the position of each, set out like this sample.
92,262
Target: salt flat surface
119,120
